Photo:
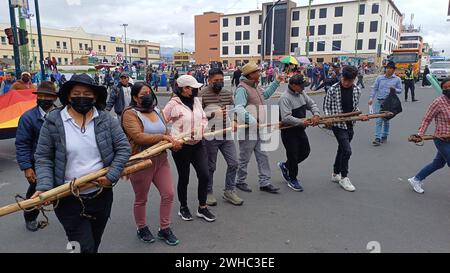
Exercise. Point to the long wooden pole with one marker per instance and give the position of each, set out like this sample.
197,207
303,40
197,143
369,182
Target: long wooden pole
35,202
414,138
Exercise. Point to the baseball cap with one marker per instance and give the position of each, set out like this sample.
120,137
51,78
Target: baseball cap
187,80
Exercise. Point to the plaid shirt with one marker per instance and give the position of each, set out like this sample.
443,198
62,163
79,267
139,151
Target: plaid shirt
440,111
333,102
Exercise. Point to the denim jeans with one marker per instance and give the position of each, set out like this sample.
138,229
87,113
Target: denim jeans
247,148
442,159
381,122
228,150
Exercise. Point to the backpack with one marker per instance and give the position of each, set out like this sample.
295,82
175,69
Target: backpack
392,104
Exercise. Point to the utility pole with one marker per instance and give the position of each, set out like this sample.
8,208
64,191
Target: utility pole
182,42
41,47
357,29
308,29
25,53
12,14
272,47
31,41
125,31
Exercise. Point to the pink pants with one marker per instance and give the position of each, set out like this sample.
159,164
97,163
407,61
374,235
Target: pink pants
160,175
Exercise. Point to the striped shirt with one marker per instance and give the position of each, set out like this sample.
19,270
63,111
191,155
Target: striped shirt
214,104
439,111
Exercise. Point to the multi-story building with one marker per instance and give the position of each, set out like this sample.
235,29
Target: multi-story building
72,44
183,58
368,29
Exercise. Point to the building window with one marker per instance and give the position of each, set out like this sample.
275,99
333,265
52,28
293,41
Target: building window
246,35
99,48
338,11
259,34
59,61
81,46
212,35
3,40
294,32
119,49
66,61
311,46
323,13
225,36
337,29
361,27
225,50
320,60
372,44
321,46
238,36
225,22
246,50
86,47
33,43
5,56
362,9
58,44
213,48
259,49
322,30
312,14
374,26
294,46
260,19
238,21
64,45
135,50
311,30
387,26
296,16
384,44
375,8
337,45
104,48
359,44
213,21
246,20
237,50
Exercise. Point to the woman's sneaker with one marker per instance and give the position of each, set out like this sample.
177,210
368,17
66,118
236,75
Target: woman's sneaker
347,185
168,237
145,235
284,171
416,185
295,185
185,214
206,214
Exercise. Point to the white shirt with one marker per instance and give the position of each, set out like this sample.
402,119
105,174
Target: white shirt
43,114
127,95
82,153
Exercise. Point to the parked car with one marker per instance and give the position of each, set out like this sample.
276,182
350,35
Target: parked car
440,70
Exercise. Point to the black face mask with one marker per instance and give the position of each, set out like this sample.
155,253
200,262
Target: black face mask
82,104
446,93
147,101
194,93
218,86
45,104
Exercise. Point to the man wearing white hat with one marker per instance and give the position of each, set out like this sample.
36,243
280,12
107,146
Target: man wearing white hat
24,83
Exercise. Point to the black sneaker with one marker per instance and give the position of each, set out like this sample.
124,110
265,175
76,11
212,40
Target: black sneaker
32,226
206,214
145,235
377,142
243,187
168,237
185,214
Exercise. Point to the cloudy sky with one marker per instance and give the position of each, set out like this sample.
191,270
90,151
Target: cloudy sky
162,20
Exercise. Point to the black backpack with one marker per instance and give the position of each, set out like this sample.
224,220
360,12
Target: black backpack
392,104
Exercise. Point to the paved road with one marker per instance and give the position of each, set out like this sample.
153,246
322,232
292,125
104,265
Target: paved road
322,219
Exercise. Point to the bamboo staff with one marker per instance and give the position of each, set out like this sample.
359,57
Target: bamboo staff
417,139
35,202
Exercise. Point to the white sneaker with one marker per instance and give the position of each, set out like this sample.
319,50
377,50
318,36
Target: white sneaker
336,178
347,185
416,185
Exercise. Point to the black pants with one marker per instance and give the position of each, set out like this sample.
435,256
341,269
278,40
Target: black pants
344,138
87,232
361,82
297,147
31,215
198,157
410,85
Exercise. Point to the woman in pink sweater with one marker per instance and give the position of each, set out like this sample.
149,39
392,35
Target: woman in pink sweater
185,113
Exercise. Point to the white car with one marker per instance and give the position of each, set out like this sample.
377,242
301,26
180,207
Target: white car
440,70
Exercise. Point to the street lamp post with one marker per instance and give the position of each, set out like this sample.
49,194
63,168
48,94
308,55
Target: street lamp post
182,42
12,13
125,32
263,49
41,47
308,34
272,47
357,29
31,40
